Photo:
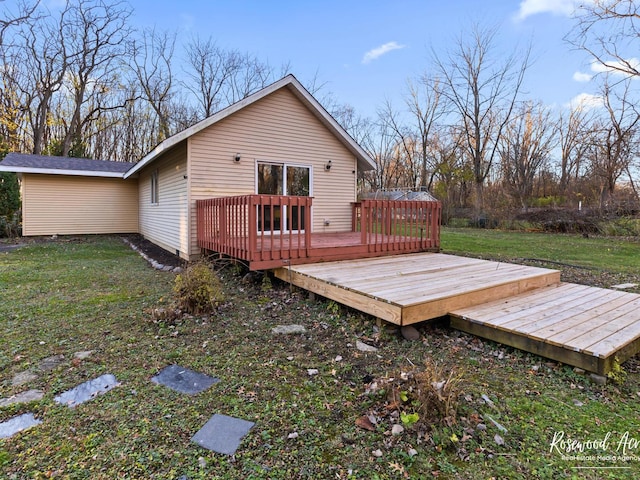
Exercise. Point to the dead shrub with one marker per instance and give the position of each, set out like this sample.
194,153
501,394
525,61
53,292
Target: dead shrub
198,289
437,391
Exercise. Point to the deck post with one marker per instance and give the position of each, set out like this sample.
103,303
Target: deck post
222,219
307,225
252,228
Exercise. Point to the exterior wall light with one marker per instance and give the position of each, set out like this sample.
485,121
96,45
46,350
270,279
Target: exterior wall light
237,158
327,167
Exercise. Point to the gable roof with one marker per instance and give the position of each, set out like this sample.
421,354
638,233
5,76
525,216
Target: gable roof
365,162
25,163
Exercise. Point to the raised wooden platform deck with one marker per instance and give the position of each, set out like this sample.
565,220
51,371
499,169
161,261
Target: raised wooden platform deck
524,307
406,289
583,326
249,228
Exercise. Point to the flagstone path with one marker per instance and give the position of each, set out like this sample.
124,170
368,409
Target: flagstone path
221,434
184,380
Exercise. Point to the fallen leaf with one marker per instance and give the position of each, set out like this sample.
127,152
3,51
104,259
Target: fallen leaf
393,405
365,423
396,467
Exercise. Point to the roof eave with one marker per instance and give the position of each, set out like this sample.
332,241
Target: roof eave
57,171
365,162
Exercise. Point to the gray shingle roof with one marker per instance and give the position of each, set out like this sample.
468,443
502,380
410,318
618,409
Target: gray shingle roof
64,164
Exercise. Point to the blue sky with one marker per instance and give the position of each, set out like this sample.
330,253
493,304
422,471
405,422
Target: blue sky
365,51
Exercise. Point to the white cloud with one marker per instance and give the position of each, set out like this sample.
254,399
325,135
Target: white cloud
582,77
585,101
555,7
377,52
616,66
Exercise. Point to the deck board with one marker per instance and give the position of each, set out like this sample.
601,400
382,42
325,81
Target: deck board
550,314
587,327
416,287
520,305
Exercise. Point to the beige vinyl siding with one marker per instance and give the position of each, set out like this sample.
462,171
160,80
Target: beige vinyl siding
69,205
277,128
165,223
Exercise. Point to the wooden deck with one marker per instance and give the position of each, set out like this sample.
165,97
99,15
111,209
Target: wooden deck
586,327
249,228
405,289
524,307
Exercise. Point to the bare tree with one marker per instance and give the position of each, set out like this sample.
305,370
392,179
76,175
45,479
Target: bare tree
210,69
609,30
218,77
95,33
452,174
483,91
250,76
41,73
153,63
9,19
615,139
380,146
406,146
573,133
524,149
424,103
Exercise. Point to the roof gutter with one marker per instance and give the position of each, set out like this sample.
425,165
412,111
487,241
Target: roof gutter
55,171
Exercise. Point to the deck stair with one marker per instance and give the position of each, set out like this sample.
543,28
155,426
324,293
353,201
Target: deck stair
521,306
587,327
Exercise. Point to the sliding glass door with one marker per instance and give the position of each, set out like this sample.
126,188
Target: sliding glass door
282,179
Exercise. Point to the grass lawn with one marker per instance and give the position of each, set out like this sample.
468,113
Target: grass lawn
612,254
95,294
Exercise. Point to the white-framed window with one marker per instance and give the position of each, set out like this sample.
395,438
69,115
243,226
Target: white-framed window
154,188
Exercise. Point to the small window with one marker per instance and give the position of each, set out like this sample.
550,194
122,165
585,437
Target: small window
154,187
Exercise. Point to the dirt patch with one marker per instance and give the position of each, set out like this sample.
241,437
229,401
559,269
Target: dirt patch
153,251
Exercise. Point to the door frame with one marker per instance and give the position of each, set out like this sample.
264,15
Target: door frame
285,166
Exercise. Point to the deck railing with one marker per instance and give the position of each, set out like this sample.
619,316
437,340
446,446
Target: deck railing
397,225
256,227
267,230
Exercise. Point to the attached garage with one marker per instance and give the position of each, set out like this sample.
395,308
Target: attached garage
67,196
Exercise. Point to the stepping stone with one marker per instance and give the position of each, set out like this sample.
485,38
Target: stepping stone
184,380
82,355
50,363
288,329
87,390
23,397
17,424
23,377
364,347
222,434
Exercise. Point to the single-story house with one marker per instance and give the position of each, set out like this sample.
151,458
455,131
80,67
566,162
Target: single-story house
277,143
